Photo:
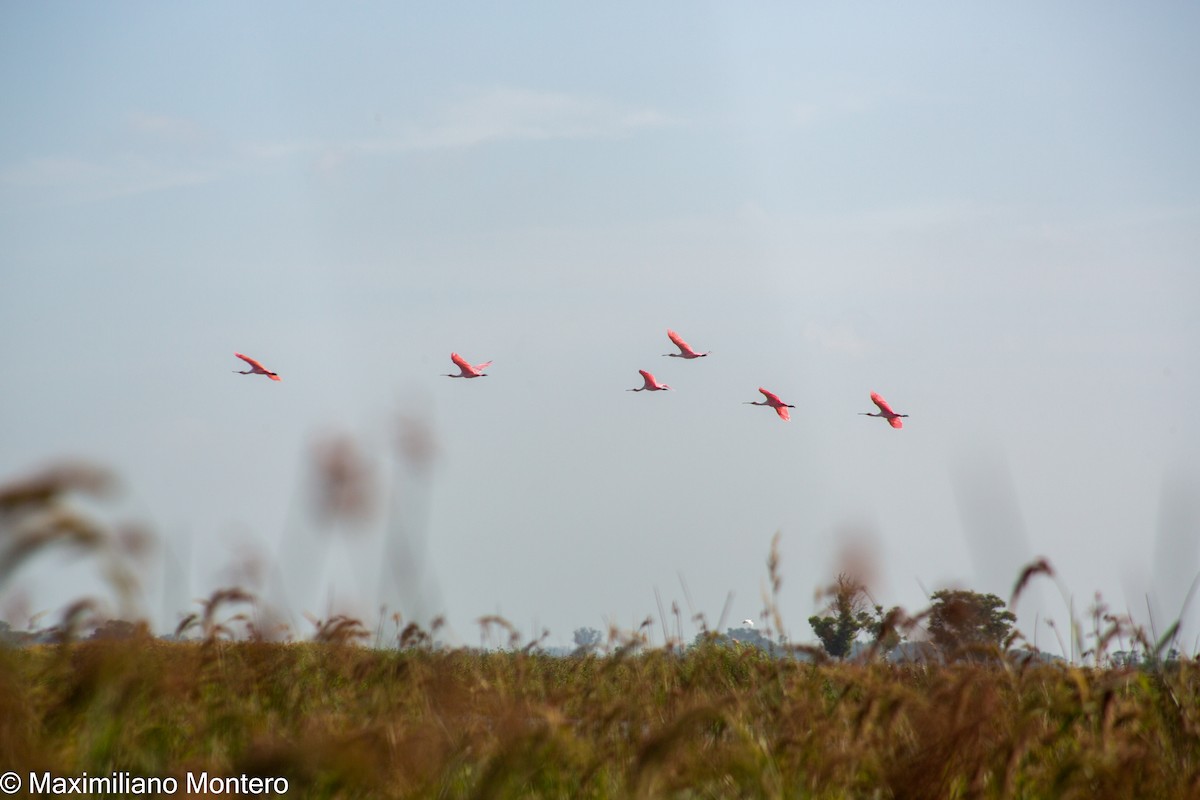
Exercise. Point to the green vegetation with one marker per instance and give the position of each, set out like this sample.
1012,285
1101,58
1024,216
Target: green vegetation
339,720
735,715
848,615
965,620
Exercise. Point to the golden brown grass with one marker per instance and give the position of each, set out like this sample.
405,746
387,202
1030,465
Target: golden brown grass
344,721
717,720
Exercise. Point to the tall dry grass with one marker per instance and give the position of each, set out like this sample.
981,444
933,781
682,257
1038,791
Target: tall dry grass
414,719
717,721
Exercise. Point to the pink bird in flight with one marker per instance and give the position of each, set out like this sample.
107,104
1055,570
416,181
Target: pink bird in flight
885,411
685,349
465,368
256,368
781,408
650,385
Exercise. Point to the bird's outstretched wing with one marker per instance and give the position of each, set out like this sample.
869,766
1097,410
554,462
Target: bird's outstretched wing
462,363
251,361
771,396
883,404
257,367
896,422
683,346
782,411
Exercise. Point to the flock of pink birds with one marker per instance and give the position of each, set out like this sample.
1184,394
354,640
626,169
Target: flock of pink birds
649,383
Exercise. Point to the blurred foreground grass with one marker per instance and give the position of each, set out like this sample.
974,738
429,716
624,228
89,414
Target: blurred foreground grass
719,719
340,720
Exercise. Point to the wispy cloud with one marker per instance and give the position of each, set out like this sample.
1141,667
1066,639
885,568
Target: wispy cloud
67,179
505,115
287,148
163,151
521,114
155,152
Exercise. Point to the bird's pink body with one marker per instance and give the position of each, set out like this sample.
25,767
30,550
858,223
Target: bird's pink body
649,384
466,370
685,349
256,368
885,411
781,408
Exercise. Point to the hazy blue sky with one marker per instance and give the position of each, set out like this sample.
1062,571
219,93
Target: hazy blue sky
990,215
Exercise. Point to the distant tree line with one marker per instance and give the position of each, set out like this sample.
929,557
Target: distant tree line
960,623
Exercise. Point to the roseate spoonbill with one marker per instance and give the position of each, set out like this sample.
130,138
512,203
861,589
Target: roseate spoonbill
885,411
651,385
256,368
466,370
685,349
781,408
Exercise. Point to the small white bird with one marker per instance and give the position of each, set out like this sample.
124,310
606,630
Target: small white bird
749,623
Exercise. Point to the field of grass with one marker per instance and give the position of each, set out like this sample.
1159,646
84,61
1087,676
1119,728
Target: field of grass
416,719
339,720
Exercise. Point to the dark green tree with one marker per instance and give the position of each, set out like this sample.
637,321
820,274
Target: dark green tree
846,615
963,620
885,628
